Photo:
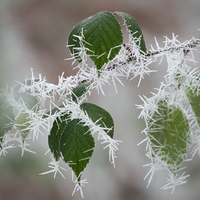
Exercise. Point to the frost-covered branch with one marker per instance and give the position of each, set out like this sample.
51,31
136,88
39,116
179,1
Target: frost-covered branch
35,107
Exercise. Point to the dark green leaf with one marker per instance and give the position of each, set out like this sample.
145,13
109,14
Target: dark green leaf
56,132
78,91
134,29
76,146
99,116
169,134
102,37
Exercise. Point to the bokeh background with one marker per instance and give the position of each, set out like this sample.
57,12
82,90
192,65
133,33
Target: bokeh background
33,34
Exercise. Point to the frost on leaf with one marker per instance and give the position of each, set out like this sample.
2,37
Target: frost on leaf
78,91
193,94
99,116
71,140
168,132
76,146
100,34
54,137
29,106
6,118
134,29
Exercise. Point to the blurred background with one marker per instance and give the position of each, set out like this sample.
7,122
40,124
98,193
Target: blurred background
33,34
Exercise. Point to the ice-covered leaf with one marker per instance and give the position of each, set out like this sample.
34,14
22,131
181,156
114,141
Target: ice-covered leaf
6,117
134,30
27,82
29,101
169,134
76,146
78,91
53,111
193,95
99,116
100,34
30,82
22,119
56,132
22,122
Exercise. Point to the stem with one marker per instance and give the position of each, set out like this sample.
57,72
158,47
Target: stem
185,47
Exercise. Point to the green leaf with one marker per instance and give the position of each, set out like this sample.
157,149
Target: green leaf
30,82
78,91
134,29
6,117
27,82
169,134
194,99
22,120
53,111
99,116
56,132
28,100
76,146
101,35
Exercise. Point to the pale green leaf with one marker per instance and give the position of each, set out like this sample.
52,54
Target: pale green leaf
169,134
6,117
193,95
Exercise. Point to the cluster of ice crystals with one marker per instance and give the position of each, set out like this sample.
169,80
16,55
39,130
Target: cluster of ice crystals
130,62
55,167
181,74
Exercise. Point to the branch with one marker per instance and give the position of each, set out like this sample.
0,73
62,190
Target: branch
186,46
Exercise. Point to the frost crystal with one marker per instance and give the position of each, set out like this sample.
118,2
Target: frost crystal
48,102
55,168
78,184
181,75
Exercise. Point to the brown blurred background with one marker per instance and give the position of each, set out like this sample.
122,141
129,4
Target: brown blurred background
33,34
